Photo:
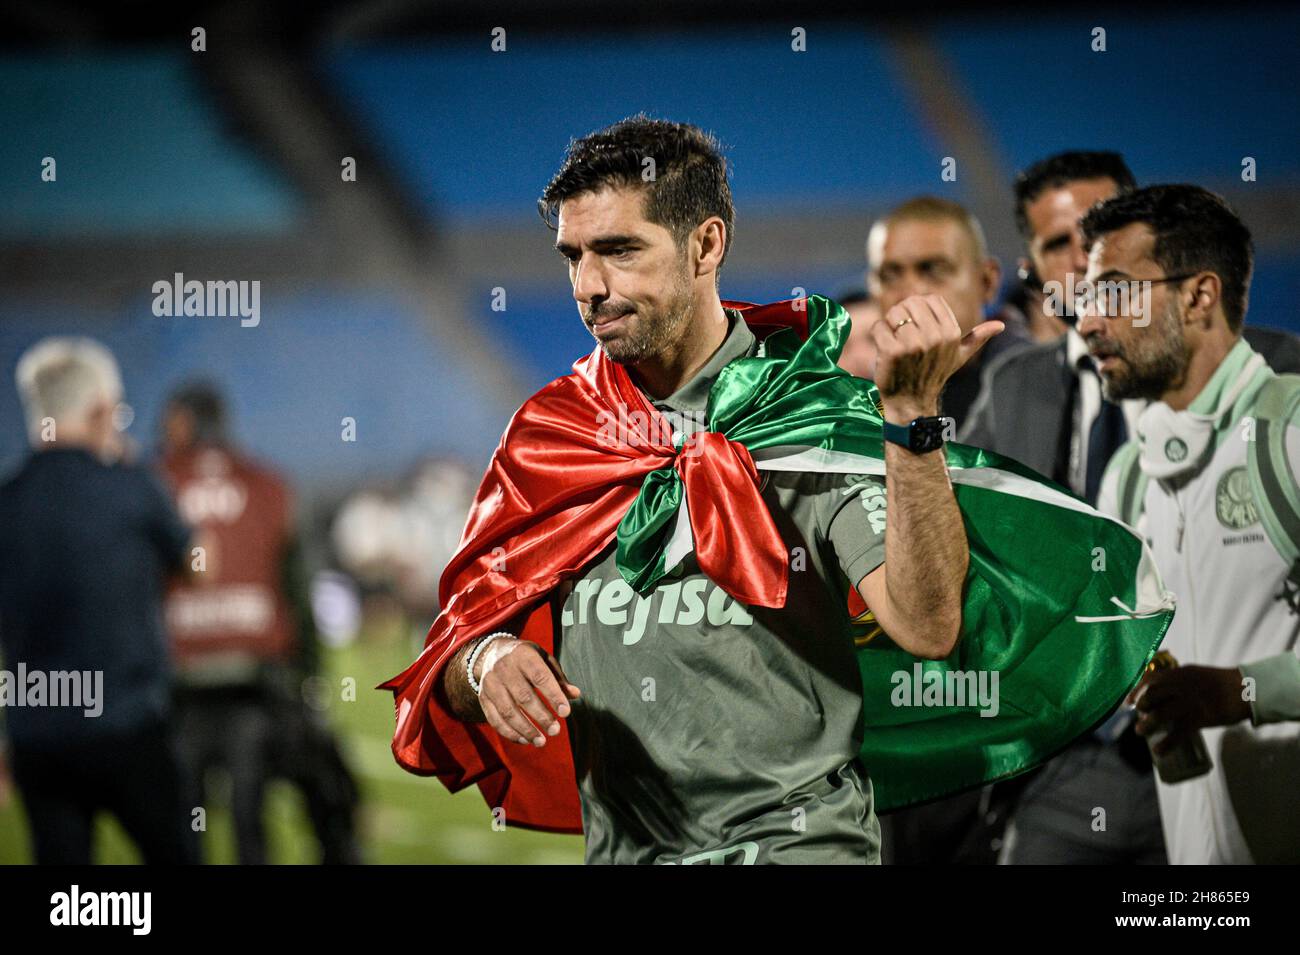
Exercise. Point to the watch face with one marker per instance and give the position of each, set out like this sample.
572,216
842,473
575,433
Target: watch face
928,433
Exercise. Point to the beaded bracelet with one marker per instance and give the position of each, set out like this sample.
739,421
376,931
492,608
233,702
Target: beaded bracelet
474,655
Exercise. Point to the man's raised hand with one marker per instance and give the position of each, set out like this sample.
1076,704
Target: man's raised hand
919,345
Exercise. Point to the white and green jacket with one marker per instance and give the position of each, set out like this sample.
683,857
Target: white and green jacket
1214,490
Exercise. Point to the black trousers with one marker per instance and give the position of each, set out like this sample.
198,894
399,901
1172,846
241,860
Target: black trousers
256,734
233,733
135,776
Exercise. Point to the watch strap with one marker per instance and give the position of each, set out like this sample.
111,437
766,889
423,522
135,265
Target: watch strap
899,434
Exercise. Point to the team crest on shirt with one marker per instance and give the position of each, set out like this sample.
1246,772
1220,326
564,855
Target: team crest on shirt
1234,504
865,628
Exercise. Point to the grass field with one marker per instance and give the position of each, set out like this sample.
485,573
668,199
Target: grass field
404,818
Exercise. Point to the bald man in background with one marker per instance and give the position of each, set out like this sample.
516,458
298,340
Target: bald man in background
933,246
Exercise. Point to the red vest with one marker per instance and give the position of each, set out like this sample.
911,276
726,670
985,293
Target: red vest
237,604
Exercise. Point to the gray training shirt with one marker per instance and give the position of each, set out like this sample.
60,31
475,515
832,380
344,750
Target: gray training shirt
709,731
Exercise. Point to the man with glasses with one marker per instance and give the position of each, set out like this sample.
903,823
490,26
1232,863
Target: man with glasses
1210,479
1043,406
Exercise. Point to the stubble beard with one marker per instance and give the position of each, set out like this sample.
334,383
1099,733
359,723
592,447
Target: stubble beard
655,330
1152,368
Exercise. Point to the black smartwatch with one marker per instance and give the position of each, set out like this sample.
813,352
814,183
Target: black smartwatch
921,434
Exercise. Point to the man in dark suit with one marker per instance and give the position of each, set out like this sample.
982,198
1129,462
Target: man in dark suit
1043,406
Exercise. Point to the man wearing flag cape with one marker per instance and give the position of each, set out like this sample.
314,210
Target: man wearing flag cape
675,622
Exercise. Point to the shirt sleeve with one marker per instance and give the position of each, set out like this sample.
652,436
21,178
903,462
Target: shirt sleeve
1277,688
1277,678
856,523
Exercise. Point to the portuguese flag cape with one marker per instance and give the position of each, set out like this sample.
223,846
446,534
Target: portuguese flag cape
1063,604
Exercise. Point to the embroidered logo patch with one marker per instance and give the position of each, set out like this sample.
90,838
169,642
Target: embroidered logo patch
1234,505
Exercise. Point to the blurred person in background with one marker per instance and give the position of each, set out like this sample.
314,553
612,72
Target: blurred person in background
243,635
933,246
86,544
397,539
859,355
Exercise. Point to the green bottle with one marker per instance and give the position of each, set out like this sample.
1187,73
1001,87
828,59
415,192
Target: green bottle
1190,758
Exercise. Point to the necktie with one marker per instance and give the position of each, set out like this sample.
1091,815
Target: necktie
1107,433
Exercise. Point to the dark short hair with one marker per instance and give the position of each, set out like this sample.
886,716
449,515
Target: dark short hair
690,173
1195,230
204,402
1063,168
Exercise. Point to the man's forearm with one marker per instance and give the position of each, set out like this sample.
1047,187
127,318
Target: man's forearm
918,348
459,694
926,553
